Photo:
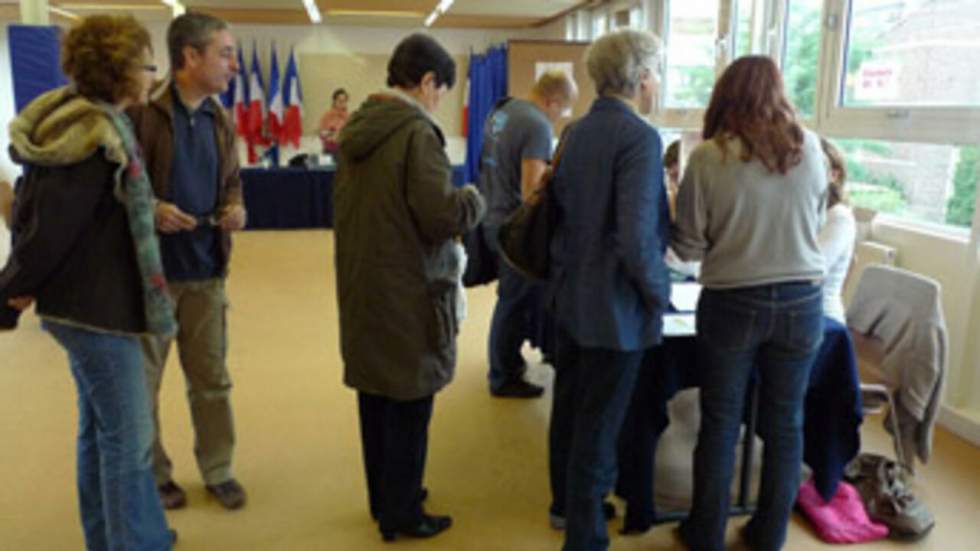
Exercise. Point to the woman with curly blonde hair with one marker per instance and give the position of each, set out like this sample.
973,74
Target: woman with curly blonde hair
87,253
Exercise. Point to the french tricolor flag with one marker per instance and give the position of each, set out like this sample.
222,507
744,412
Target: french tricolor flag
241,99
466,107
256,104
292,98
275,117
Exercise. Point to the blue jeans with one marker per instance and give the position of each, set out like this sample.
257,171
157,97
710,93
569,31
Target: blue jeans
776,331
118,500
514,318
592,390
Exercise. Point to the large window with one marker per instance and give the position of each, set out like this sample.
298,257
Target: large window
801,57
913,53
750,27
692,32
900,80
600,22
894,81
926,182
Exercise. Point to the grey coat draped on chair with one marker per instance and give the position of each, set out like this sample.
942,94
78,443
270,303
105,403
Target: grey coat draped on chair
904,311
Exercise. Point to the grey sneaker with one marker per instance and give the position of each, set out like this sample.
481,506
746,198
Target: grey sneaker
230,494
172,496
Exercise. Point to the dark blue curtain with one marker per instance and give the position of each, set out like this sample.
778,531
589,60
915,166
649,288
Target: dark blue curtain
488,83
35,61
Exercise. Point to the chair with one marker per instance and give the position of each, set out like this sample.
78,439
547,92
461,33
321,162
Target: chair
896,322
878,390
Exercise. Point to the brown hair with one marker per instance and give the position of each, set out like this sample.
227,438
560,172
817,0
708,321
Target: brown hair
672,153
748,102
192,29
835,191
103,56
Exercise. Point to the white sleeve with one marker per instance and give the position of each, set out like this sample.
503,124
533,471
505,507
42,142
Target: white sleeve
837,235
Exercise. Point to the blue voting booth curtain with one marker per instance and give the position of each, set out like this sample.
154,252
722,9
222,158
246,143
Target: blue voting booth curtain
488,83
35,61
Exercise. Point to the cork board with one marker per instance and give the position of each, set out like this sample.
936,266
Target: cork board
523,57
362,75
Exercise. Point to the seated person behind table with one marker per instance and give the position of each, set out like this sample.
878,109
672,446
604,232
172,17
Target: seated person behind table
679,269
672,169
333,121
837,235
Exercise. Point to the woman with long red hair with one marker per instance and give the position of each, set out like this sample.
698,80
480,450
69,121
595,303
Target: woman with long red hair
750,206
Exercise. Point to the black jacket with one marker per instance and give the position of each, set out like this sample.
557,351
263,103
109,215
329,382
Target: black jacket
73,250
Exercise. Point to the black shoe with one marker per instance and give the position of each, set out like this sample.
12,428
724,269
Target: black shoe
428,526
557,521
517,388
172,496
229,493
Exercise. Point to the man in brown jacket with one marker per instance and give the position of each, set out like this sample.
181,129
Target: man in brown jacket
189,146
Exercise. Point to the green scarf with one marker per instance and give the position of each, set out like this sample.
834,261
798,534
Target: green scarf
136,194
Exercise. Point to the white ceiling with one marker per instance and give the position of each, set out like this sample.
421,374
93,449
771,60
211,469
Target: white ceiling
467,13
513,8
526,8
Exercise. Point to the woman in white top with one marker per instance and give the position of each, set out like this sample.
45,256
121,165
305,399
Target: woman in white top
837,235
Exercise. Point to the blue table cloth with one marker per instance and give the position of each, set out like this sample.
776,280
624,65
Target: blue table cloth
291,198
832,412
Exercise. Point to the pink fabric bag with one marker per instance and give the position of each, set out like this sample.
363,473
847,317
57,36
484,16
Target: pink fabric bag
841,520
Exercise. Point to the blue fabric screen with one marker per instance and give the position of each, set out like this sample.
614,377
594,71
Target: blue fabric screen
35,61
488,83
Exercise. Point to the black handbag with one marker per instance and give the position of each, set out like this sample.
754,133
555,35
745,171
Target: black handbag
481,262
482,266
525,237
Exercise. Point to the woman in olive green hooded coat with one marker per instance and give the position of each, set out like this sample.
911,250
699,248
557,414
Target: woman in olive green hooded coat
396,216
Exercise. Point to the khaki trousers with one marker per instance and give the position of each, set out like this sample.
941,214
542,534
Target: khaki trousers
201,345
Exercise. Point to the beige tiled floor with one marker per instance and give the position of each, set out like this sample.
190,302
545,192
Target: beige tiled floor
298,452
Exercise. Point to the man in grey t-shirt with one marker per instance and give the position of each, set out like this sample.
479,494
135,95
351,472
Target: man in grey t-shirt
516,149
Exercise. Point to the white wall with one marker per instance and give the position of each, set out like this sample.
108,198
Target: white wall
8,170
344,39
552,31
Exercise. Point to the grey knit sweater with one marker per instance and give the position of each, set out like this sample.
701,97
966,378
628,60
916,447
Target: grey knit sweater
749,225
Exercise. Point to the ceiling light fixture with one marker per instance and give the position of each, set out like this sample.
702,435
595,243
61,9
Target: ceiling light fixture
374,13
176,7
83,6
63,13
313,11
440,9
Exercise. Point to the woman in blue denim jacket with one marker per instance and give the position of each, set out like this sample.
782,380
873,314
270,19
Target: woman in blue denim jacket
750,205
609,279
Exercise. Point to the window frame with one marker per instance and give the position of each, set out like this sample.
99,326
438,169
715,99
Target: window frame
676,117
941,125
773,27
